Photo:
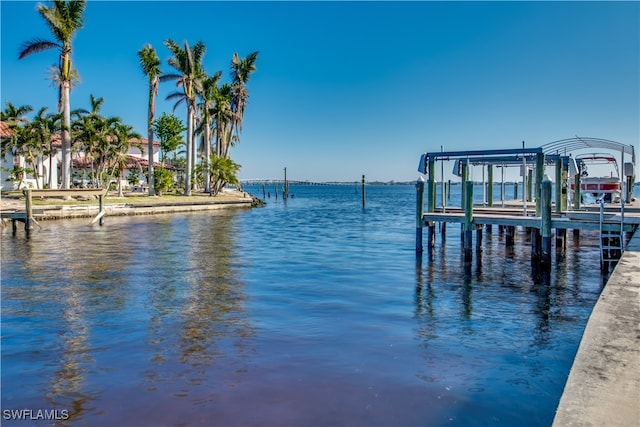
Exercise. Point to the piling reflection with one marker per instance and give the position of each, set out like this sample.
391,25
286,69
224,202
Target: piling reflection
424,291
541,277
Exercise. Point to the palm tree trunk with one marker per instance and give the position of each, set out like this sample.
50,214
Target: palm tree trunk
228,135
66,138
207,156
36,173
187,185
51,166
152,102
194,147
120,183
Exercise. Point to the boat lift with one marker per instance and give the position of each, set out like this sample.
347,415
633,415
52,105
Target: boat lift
557,153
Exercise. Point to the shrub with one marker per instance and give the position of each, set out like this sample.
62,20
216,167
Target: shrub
163,180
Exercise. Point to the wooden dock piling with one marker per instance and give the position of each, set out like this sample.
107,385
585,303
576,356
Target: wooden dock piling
546,222
510,235
419,213
431,203
490,186
576,192
28,221
561,240
559,181
101,209
478,239
468,218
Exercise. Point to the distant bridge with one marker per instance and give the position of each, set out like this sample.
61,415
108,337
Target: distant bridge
280,182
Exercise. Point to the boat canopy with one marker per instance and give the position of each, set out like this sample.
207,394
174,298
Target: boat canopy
564,146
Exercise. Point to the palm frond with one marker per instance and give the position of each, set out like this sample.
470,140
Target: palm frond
149,62
169,77
35,46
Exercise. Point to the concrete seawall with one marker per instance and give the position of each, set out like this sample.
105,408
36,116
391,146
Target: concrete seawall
128,209
603,388
9,207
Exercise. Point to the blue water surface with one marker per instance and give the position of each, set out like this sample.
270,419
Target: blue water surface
313,311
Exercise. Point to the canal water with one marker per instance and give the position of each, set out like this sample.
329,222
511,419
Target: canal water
309,312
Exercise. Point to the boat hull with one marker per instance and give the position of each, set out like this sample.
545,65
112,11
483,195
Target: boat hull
600,188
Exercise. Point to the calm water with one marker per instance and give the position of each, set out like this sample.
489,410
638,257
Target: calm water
311,313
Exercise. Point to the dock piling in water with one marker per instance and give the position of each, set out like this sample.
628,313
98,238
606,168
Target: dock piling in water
101,209
419,213
546,221
28,221
364,198
468,217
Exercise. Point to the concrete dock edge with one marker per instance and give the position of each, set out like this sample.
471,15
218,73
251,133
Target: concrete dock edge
603,388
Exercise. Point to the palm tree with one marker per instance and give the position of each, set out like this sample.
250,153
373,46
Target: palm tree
13,115
224,117
122,138
89,132
41,130
241,70
14,118
151,67
223,171
64,18
188,63
208,97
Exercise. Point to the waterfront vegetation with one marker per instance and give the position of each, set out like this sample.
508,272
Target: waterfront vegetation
95,148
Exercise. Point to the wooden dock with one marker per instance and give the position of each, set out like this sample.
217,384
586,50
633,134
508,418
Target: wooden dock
567,220
543,217
28,215
611,222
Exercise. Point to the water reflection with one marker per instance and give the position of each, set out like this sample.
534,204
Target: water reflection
542,290
467,281
286,316
213,308
110,294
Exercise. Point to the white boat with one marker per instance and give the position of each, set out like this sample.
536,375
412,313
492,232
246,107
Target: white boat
597,188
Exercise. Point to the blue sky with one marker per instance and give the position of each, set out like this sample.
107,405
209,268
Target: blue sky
350,88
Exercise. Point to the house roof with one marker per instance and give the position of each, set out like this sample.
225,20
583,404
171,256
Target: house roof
5,132
132,162
56,139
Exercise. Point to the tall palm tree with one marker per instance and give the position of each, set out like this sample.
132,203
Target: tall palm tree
188,63
241,70
224,117
207,96
151,67
64,18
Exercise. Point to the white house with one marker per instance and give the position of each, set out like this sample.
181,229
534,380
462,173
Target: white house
48,167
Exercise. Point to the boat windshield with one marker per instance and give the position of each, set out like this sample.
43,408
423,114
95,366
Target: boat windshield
595,160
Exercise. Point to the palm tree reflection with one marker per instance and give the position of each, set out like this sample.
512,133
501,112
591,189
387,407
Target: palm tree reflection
205,305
